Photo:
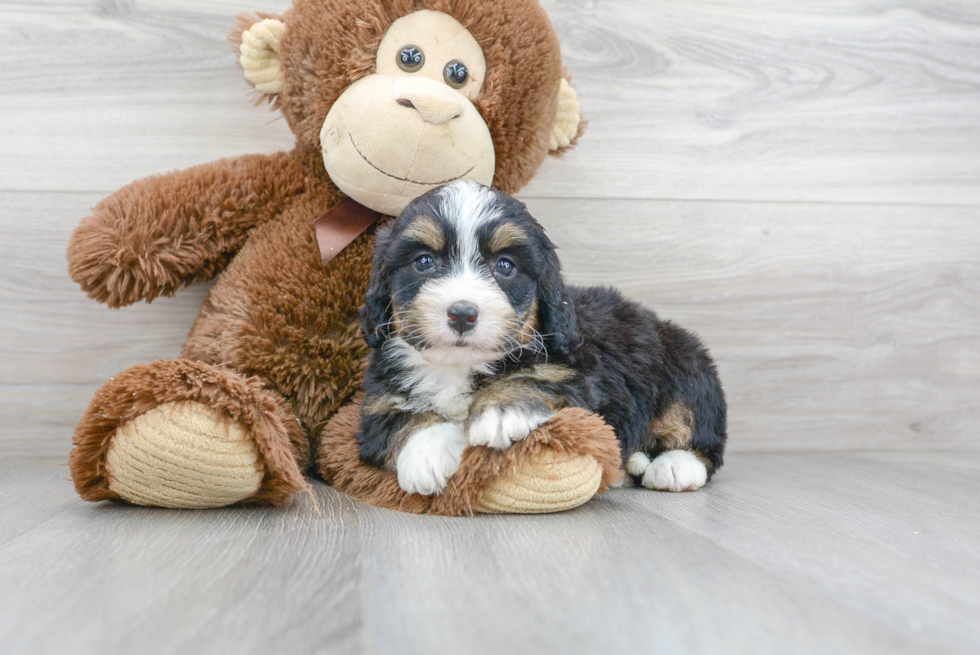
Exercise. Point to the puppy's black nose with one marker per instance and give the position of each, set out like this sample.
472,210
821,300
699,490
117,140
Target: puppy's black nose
462,316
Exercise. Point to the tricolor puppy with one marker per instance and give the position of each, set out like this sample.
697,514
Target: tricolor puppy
477,340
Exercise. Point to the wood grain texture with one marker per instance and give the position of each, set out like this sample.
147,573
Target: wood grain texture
169,581
858,100
834,326
799,182
803,553
842,101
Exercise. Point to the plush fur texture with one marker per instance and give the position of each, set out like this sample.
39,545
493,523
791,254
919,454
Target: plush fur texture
280,439
278,330
160,234
572,432
338,40
531,346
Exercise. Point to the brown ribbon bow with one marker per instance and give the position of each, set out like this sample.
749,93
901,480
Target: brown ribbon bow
340,225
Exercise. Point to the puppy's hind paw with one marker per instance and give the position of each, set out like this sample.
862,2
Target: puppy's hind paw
500,427
430,457
674,470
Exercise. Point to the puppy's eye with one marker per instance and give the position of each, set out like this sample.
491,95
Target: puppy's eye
456,74
411,58
505,268
424,263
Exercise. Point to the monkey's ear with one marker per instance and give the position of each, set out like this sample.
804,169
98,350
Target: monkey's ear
568,120
257,41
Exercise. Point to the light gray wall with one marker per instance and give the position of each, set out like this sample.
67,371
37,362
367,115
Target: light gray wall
799,182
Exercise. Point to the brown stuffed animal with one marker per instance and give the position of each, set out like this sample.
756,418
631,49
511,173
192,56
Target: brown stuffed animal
387,99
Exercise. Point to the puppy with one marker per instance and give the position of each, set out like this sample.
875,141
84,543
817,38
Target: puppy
476,340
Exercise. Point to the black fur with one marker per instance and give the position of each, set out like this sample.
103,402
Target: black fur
632,366
626,364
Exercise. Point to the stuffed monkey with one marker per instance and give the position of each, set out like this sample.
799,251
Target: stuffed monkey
387,99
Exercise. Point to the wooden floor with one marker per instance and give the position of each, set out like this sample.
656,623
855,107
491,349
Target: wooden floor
798,182
782,553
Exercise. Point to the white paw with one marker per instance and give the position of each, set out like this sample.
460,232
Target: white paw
674,470
637,464
430,457
500,428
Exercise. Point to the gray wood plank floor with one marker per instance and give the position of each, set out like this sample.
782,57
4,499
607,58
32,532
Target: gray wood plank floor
799,182
792,552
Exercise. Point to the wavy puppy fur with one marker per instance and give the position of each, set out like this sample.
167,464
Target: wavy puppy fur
530,345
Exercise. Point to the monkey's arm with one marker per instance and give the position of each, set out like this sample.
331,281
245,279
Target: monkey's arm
164,232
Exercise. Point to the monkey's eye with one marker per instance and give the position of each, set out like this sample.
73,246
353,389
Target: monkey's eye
411,58
424,263
456,74
505,268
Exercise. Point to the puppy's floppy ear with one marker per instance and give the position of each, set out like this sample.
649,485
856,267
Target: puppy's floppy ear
556,311
375,314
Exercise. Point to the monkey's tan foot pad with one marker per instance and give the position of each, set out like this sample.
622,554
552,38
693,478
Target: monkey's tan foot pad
550,483
561,465
183,455
185,434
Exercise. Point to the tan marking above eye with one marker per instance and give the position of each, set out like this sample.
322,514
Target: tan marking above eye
426,231
506,236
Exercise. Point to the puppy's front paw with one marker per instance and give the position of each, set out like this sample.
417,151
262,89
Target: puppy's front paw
674,470
430,457
499,427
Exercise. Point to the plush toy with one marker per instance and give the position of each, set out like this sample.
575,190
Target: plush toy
387,99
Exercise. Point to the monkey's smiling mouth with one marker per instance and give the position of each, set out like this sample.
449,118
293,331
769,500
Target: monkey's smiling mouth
405,179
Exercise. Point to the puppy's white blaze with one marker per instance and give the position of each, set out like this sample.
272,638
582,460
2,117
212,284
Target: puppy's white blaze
637,464
675,470
496,315
499,429
430,457
468,206
439,376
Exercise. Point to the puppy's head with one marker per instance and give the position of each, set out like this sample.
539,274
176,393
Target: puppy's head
465,274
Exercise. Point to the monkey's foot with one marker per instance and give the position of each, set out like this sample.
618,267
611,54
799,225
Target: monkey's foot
184,434
183,455
548,483
560,465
